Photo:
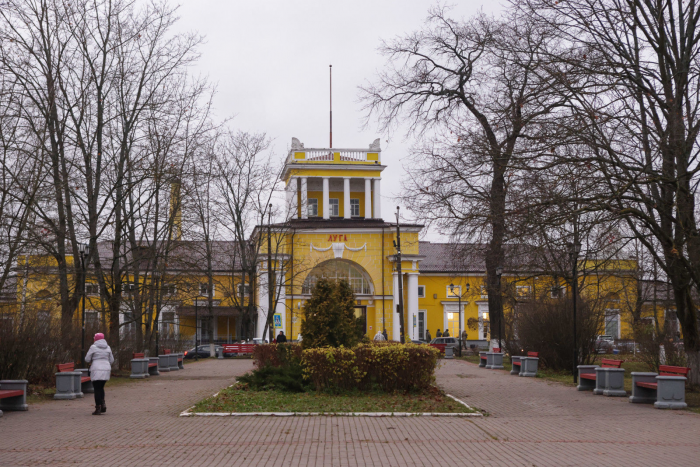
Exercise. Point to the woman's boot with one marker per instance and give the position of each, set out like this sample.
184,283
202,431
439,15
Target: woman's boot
98,410
103,407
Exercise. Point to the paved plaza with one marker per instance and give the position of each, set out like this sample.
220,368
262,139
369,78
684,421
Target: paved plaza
531,423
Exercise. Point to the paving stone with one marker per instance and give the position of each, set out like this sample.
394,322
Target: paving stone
531,423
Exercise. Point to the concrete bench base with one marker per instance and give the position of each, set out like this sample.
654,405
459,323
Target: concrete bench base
586,384
163,363
153,366
65,386
610,382
528,366
139,368
494,360
482,359
16,403
515,362
181,361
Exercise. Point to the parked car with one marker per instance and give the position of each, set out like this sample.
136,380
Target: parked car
604,344
202,351
416,341
448,341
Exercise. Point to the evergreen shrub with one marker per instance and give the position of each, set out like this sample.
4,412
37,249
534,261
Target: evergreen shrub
329,316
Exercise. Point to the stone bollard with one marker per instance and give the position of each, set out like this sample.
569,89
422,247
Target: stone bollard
449,352
514,360
528,366
172,362
163,363
482,359
153,370
220,353
65,387
497,362
139,368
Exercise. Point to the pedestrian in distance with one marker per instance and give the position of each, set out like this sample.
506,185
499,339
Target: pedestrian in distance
281,338
428,337
101,359
386,336
446,333
438,333
464,340
379,337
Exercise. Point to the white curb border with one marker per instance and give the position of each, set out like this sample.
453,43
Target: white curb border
188,413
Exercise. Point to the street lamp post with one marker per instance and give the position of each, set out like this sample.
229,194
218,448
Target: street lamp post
397,244
574,250
499,273
84,250
459,318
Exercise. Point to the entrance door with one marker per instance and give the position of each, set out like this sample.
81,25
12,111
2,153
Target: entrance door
421,325
453,323
361,316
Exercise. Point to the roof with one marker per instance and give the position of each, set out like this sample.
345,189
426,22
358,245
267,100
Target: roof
471,257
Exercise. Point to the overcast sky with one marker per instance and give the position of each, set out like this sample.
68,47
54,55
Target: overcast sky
269,60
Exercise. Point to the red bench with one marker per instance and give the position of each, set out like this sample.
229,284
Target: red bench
666,389
517,364
239,349
152,363
65,367
588,378
71,383
13,395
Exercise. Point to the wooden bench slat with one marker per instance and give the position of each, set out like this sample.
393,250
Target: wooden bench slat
151,365
138,355
668,370
5,393
643,384
64,367
533,354
516,363
588,376
608,363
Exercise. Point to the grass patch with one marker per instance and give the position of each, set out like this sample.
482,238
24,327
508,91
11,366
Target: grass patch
692,395
240,398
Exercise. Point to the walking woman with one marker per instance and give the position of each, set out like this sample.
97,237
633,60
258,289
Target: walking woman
101,357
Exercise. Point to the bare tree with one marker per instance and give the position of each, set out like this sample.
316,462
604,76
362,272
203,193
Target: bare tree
634,78
481,85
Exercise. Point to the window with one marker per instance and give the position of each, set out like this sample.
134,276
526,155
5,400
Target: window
92,289
312,207
354,207
333,207
167,323
130,287
612,323
338,270
243,289
169,289
522,291
128,323
556,292
421,291
457,292
484,292
204,290
91,319
421,325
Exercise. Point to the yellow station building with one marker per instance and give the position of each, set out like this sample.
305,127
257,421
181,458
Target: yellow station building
335,228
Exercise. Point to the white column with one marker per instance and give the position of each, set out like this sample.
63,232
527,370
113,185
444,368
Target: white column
412,305
292,198
368,198
346,197
304,199
326,197
395,317
377,199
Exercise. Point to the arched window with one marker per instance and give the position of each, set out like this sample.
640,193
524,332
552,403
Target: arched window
339,270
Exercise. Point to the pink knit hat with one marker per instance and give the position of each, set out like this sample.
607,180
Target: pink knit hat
99,336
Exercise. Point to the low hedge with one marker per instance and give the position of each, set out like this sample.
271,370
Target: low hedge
390,367
275,355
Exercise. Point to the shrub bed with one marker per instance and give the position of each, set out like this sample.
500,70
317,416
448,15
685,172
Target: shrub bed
275,355
389,367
